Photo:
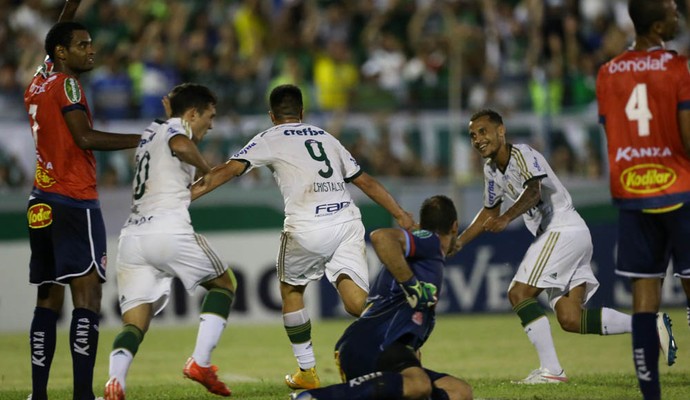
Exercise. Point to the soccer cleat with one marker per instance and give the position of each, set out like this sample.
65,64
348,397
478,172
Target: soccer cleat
667,344
303,379
302,396
113,390
543,375
206,376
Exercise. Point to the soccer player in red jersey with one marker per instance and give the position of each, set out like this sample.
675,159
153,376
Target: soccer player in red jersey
66,229
644,106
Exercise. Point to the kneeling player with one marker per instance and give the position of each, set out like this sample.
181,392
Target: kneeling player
378,353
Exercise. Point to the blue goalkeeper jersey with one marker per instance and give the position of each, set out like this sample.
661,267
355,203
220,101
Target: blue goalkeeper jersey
388,317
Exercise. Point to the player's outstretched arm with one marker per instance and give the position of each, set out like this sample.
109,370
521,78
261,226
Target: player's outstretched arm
476,227
88,138
375,190
218,176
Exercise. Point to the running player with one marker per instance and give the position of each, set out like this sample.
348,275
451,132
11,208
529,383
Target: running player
323,231
158,242
557,262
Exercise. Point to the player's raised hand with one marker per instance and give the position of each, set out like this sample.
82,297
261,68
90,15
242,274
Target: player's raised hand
420,295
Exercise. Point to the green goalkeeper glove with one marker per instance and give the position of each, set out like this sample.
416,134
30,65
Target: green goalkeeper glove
420,295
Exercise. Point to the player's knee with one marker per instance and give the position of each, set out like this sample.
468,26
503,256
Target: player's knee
353,307
569,321
226,281
516,296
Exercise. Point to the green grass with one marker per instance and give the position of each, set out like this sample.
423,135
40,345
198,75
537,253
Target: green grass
487,350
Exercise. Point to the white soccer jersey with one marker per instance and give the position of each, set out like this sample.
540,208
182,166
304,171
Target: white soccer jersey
161,194
555,210
311,168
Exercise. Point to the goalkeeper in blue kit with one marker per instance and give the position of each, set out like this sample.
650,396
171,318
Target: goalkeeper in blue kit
378,354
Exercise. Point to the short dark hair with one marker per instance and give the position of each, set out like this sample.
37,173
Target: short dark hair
437,214
190,95
644,13
286,101
494,116
61,34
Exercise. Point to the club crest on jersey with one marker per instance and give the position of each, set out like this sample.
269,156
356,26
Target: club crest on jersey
43,178
422,233
647,178
39,216
72,90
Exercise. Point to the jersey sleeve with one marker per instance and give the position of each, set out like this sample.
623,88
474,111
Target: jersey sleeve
493,192
69,95
350,167
529,162
422,244
256,153
177,127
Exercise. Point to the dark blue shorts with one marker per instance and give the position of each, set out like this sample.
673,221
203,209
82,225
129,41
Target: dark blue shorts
66,242
360,358
646,243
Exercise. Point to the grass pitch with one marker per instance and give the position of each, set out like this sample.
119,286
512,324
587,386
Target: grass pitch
487,350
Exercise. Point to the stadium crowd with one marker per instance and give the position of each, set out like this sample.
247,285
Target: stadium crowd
373,56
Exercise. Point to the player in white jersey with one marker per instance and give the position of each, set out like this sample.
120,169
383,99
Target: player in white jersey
323,231
557,262
158,241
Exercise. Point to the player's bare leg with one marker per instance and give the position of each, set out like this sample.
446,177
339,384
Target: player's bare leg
352,295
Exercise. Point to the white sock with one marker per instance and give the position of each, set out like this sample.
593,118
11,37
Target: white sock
120,360
210,329
304,352
539,333
615,322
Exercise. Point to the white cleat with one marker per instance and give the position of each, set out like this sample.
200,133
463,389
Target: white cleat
543,375
667,344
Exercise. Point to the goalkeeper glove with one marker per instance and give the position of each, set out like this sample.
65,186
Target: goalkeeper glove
420,295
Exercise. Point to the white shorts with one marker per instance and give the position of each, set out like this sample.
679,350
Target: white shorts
335,250
559,261
146,265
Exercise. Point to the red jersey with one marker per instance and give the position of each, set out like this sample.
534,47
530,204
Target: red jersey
61,166
639,95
